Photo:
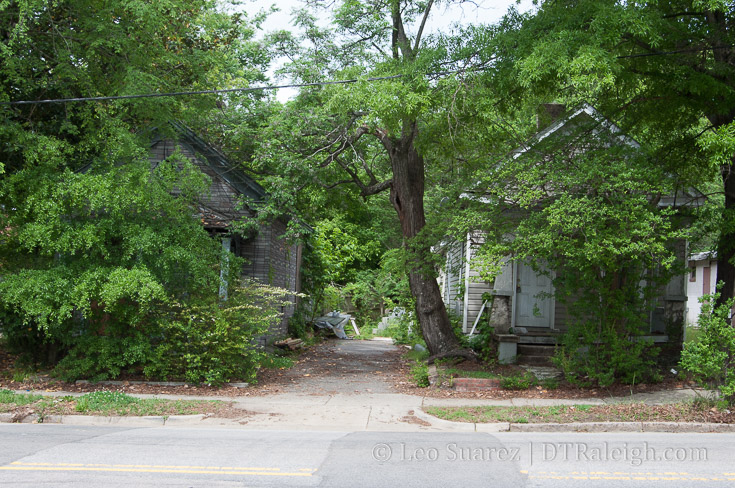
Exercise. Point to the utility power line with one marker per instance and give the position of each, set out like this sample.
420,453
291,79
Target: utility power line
680,51
215,91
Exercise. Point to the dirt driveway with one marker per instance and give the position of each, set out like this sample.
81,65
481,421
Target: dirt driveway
341,366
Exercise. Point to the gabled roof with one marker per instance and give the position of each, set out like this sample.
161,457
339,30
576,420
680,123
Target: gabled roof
228,171
586,116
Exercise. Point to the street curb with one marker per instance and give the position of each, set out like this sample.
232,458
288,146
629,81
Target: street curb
184,419
579,427
441,423
582,427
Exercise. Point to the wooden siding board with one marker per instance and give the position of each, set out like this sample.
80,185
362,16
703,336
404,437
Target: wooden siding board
269,259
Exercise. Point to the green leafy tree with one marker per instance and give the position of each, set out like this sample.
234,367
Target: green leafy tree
385,136
95,241
711,358
663,71
581,206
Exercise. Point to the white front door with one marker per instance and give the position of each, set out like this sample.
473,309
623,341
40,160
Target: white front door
534,306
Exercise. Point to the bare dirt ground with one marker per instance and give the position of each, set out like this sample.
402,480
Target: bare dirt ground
341,366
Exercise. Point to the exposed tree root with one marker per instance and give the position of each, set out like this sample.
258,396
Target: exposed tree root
467,354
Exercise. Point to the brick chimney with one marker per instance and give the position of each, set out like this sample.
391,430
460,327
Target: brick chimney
548,113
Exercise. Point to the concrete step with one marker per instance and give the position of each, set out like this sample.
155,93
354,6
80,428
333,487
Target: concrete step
536,350
534,360
537,339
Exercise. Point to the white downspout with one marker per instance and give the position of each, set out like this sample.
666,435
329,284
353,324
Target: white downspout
468,256
514,274
225,268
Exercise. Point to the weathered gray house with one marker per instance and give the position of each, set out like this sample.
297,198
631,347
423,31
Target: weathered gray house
269,257
521,302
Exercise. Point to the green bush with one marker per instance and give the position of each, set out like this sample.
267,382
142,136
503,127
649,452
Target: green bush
203,340
483,344
213,343
99,357
711,359
603,355
518,382
420,374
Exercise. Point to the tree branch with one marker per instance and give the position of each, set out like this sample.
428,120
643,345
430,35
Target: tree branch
376,188
399,39
423,23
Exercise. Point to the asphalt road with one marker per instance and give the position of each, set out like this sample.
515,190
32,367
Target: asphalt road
65,455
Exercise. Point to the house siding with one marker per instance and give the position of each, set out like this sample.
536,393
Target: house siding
668,316
269,258
458,293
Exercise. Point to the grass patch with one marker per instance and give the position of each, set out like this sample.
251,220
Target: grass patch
415,355
561,414
106,403
8,397
118,403
458,373
276,362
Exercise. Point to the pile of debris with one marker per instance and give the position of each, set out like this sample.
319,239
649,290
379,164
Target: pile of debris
336,322
291,344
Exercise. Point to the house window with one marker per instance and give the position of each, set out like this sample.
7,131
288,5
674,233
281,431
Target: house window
692,273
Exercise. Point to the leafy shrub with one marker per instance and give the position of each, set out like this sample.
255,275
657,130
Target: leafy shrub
211,343
483,343
604,352
550,383
99,357
518,382
201,341
711,359
420,374
403,329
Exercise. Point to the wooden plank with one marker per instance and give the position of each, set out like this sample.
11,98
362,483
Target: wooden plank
354,326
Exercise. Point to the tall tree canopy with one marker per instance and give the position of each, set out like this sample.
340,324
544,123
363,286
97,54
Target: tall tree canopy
92,238
388,135
663,70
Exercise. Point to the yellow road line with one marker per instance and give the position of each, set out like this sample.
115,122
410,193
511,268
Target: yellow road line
155,466
622,476
146,468
143,470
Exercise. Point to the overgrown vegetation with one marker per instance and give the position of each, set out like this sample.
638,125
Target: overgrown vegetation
711,358
105,403
599,237
105,267
636,412
420,374
202,340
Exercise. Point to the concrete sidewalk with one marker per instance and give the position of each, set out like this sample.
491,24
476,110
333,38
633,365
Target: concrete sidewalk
384,412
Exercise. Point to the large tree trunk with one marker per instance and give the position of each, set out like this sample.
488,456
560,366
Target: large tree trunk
726,243
724,55
407,196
